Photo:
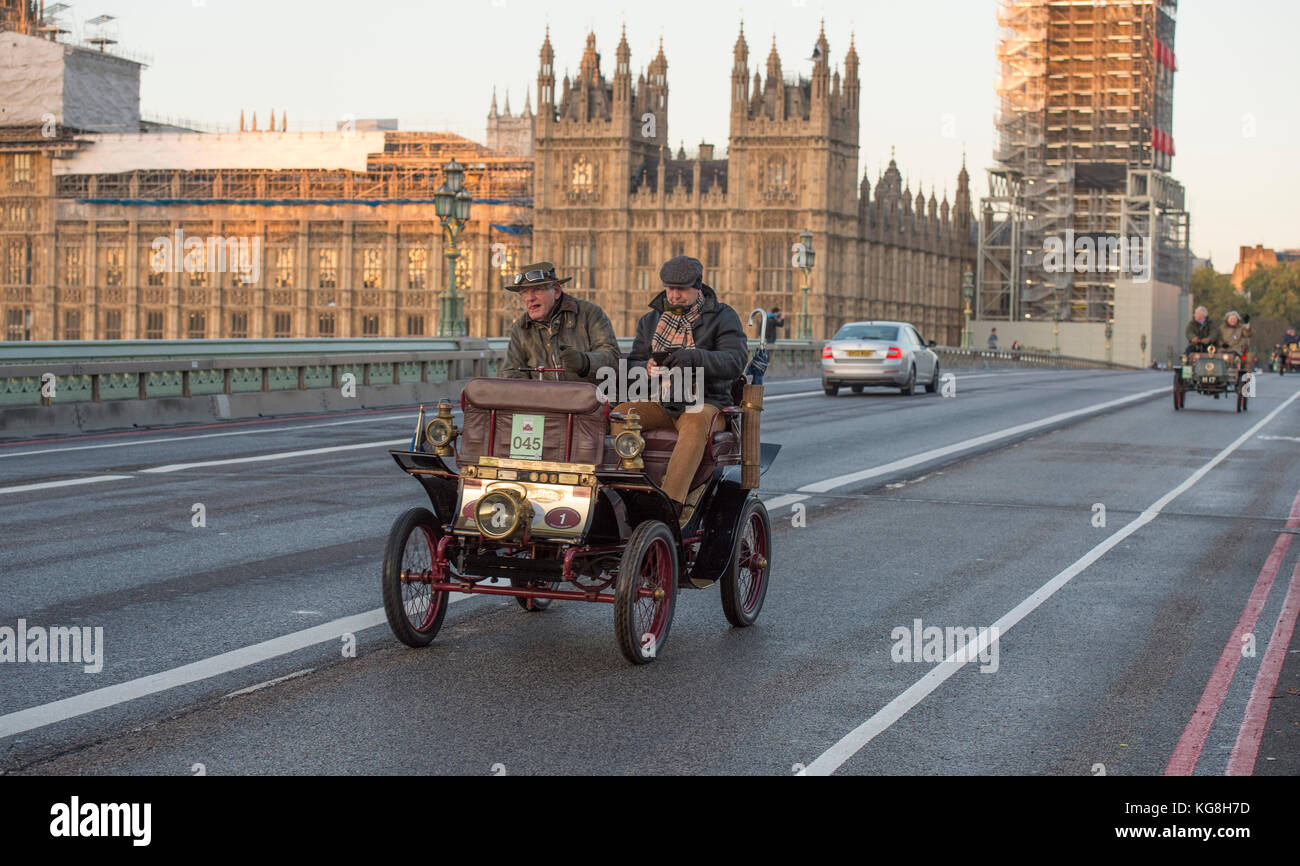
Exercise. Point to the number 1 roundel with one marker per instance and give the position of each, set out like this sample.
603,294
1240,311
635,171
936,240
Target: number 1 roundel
562,518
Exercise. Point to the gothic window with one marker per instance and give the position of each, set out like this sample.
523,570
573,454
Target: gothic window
776,173
370,326
372,268
327,264
196,326
415,326
72,324
416,267
153,325
72,269
282,325
583,176
325,325
112,324
239,326
284,268
115,266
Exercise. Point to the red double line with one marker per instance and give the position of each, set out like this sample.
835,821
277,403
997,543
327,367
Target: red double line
1192,742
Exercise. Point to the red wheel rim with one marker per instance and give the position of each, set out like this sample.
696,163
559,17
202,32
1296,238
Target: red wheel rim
655,573
419,602
751,568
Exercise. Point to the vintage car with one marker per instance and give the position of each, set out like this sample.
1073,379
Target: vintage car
1215,372
543,505
1290,360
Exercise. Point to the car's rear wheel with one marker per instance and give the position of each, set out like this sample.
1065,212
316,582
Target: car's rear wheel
856,389
744,585
830,389
649,562
908,388
934,380
414,611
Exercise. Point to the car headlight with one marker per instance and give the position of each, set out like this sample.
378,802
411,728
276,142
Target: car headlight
629,444
442,430
501,513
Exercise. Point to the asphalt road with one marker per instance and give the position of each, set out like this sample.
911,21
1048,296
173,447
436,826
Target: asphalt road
1114,641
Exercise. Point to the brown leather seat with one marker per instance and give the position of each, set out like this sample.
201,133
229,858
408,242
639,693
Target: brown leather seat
575,419
724,450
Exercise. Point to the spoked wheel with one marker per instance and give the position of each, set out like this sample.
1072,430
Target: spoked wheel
908,388
414,611
744,585
533,605
641,622
1179,393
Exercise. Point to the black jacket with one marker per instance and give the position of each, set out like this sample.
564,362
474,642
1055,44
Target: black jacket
719,337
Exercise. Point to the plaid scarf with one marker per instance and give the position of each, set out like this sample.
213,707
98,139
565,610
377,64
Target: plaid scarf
674,331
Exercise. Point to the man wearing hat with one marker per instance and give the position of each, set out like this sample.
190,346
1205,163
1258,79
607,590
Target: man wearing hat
557,330
687,327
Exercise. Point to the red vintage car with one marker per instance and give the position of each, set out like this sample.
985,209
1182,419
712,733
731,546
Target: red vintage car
533,499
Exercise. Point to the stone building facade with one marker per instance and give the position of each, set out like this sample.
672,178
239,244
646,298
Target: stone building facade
612,201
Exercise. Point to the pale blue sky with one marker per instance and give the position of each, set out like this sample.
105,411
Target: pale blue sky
928,71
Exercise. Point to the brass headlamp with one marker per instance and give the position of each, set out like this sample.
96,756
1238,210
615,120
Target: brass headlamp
441,431
502,513
629,444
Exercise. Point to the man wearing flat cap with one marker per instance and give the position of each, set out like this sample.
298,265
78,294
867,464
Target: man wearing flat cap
557,330
687,327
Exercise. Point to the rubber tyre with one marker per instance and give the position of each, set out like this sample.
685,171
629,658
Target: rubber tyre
856,389
934,380
744,584
412,542
831,390
533,605
908,389
640,624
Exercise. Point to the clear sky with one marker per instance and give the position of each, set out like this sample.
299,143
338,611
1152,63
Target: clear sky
928,70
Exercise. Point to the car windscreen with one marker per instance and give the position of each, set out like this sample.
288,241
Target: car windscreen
887,333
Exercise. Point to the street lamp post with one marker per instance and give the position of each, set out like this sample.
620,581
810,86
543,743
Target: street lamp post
967,292
804,259
451,203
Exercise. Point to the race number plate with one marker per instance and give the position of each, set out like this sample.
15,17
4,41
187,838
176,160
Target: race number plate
858,353
1187,371
526,433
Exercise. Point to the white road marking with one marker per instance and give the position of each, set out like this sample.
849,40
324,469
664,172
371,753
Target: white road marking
852,742
67,482
109,696
1281,438
279,455
403,416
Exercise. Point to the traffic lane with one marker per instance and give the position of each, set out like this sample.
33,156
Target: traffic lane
1126,647
831,431
738,682
72,457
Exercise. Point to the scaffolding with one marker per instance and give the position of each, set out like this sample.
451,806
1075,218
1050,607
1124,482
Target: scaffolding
1085,97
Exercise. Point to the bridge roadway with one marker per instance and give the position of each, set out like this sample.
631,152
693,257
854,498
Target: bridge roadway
223,647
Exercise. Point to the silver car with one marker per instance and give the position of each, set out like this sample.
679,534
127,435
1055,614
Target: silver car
892,354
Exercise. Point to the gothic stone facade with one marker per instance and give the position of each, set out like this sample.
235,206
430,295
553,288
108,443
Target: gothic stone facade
612,202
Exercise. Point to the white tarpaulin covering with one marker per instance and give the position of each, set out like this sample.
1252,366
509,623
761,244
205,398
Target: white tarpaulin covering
110,154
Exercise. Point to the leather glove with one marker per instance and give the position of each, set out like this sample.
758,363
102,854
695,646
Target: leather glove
684,358
1245,319
574,360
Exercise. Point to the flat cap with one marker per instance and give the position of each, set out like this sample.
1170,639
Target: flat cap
683,271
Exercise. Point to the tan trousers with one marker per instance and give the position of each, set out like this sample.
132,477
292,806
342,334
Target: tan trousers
692,438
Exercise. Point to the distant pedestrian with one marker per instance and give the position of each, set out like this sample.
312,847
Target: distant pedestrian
993,340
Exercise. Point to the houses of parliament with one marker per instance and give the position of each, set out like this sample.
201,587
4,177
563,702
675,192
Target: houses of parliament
344,220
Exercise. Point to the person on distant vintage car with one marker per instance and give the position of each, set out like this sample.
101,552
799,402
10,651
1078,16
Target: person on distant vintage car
1234,334
1200,331
1289,339
689,328
557,330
